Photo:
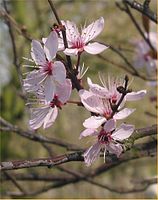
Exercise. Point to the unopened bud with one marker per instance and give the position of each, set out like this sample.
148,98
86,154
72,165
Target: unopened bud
121,89
126,78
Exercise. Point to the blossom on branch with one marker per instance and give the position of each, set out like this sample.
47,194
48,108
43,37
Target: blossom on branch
79,42
47,112
102,108
101,100
48,73
110,90
107,139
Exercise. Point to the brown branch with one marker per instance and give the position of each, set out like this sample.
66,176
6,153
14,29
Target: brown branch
134,71
145,150
144,9
9,22
20,29
69,67
127,10
151,114
36,136
10,177
116,64
48,162
36,177
76,156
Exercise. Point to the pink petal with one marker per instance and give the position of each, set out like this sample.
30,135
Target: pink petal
38,116
88,132
123,113
123,132
51,117
64,91
51,45
31,83
49,88
97,89
95,48
71,30
110,125
114,148
94,122
133,96
91,102
71,52
59,72
92,154
93,30
61,46
37,53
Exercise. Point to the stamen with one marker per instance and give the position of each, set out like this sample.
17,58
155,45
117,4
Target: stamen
28,59
32,66
104,154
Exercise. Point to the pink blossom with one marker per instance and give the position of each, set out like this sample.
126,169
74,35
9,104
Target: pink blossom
47,112
49,73
79,42
101,107
109,90
107,138
145,56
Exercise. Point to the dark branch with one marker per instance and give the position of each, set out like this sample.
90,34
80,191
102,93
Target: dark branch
144,9
145,150
35,136
68,58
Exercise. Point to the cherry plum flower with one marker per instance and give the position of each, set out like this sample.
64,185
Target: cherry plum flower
109,90
107,138
79,42
102,108
47,112
49,73
145,56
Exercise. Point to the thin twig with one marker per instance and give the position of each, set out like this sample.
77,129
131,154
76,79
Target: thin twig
142,9
36,136
58,160
20,29
145,150
130,69
137,26
15,183
69,67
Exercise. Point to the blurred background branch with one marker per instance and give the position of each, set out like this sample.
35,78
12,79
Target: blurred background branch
144,9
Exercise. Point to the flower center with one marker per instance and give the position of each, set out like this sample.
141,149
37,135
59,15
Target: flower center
48,68
78,44
107,114
114,99
56,102
104,137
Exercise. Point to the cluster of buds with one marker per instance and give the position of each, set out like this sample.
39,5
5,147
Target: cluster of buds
51,86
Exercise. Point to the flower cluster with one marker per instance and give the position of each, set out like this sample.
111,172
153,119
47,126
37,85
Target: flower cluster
106,105
48,81
51,84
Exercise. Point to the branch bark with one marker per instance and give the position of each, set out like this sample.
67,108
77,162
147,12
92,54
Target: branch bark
142,9
76,156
